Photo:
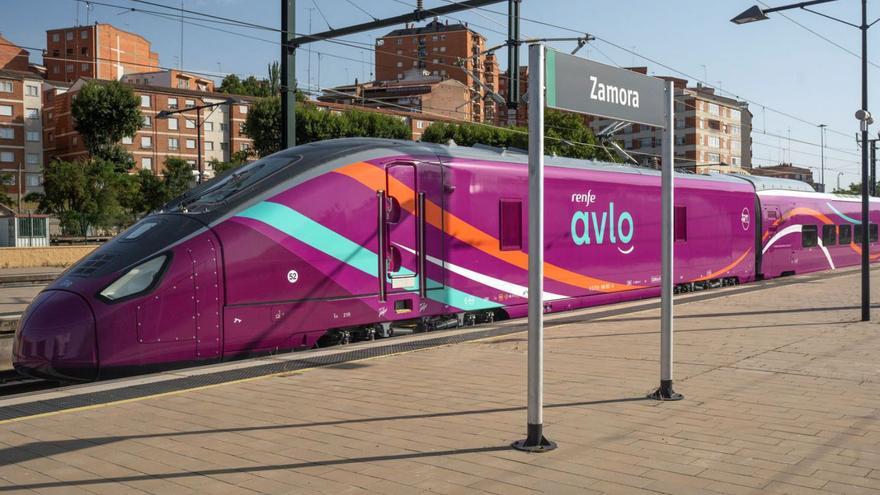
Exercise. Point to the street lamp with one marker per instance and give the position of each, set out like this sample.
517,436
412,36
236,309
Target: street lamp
839,174
164,114
756,13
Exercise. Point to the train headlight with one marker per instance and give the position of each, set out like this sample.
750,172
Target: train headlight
136,280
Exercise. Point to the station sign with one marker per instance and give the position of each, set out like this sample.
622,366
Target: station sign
584,86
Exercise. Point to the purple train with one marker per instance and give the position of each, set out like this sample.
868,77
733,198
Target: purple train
351,238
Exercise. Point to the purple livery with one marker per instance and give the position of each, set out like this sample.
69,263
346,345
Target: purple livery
351,238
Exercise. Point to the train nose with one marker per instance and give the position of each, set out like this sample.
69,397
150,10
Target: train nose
56,338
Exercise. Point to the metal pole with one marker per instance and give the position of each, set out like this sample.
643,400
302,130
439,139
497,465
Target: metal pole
866,282
667,202
288,75
512,60
535,441
872,182
199,144
822,137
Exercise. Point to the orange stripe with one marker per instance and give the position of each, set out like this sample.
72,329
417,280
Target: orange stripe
726,268
374,178
822,218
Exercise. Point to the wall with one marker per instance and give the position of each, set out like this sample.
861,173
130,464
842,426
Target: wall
60,256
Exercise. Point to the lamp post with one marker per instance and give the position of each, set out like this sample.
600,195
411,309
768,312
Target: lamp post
838,180
756,13
164,114
822,137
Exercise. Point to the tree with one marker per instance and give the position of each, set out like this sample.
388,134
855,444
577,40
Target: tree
152,191
4,198
103,114
566,135
84,195
263,125
273,83
178,177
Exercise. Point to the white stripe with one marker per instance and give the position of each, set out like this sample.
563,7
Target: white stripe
495,283
791,230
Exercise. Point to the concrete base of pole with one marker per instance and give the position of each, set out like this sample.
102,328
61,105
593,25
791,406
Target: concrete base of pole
535,441
665,392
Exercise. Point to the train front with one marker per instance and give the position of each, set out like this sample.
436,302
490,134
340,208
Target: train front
106,299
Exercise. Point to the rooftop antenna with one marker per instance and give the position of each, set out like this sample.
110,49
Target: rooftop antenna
180,66
89,7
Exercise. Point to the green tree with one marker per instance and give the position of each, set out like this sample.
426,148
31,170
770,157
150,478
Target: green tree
273,83
263,125
566,135
178,177
152,191
5,199
104,113
231,84
84,195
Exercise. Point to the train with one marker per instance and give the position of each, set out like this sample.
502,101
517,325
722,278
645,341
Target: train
349,239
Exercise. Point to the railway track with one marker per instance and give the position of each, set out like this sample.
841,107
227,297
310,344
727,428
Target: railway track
12,383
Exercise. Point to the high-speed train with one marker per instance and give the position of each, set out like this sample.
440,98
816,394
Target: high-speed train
353,237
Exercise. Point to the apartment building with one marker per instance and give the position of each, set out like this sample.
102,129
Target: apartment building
439,48
712,132
21,156
522,109
99,51
421,93
170,78
13,57
159,138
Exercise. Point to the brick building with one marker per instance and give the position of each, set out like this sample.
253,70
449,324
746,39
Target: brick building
21,156
712,132
786,171
99,51
170,78
158,139
432,95
522,110
437,48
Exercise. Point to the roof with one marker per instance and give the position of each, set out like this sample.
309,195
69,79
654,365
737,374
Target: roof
762,183
173,91
19,74
434,26
96,24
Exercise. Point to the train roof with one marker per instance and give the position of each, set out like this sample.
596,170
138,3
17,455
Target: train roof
762,183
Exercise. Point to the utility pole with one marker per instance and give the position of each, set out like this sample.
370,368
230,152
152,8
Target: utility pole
866,220
288,74
822,137
513,95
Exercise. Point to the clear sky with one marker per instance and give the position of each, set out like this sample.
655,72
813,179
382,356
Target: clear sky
775,63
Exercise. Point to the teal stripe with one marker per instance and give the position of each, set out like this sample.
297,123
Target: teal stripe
841,215
550,76
308,231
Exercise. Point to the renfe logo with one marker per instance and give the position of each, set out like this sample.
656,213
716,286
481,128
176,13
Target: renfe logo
584,223
613,94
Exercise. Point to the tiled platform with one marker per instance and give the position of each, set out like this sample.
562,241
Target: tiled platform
782,391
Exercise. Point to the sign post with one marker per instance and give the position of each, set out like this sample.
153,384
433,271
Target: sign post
535,440
583,86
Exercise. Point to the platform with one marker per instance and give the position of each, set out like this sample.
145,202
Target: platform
781,384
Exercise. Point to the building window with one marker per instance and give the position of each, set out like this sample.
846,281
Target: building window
84,67
74,140
33,159
7,156
713,141
172,103
33,136
6,86
679,123
224,146
679,140
148,121
209,145
399,64
646,142
69,68
442,37
56,69
68,35
241,128
84,50
34,180
146,142
147,163
434,38
190,124
415,63
32,113
70,51
145,101
190,103
399,41
223,127
714,109
736,161
32,90
6,110
420,124
208,126
713,158
400,52
56,37
182,83
172,124
735,114
84,34
244,146
443,49
127,140
7,133
399,75
243,109
190,144
173,144
510,224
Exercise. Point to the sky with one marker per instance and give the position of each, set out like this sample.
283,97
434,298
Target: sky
794,70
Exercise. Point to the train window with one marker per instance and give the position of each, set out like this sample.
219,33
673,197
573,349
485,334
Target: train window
681,225
844,234
872,232
809,236
857,234
510,224
829,235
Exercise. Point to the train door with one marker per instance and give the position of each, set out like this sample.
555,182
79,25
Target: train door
206,287
407,242
777,246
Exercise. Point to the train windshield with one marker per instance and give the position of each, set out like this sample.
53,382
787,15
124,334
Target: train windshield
225,187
